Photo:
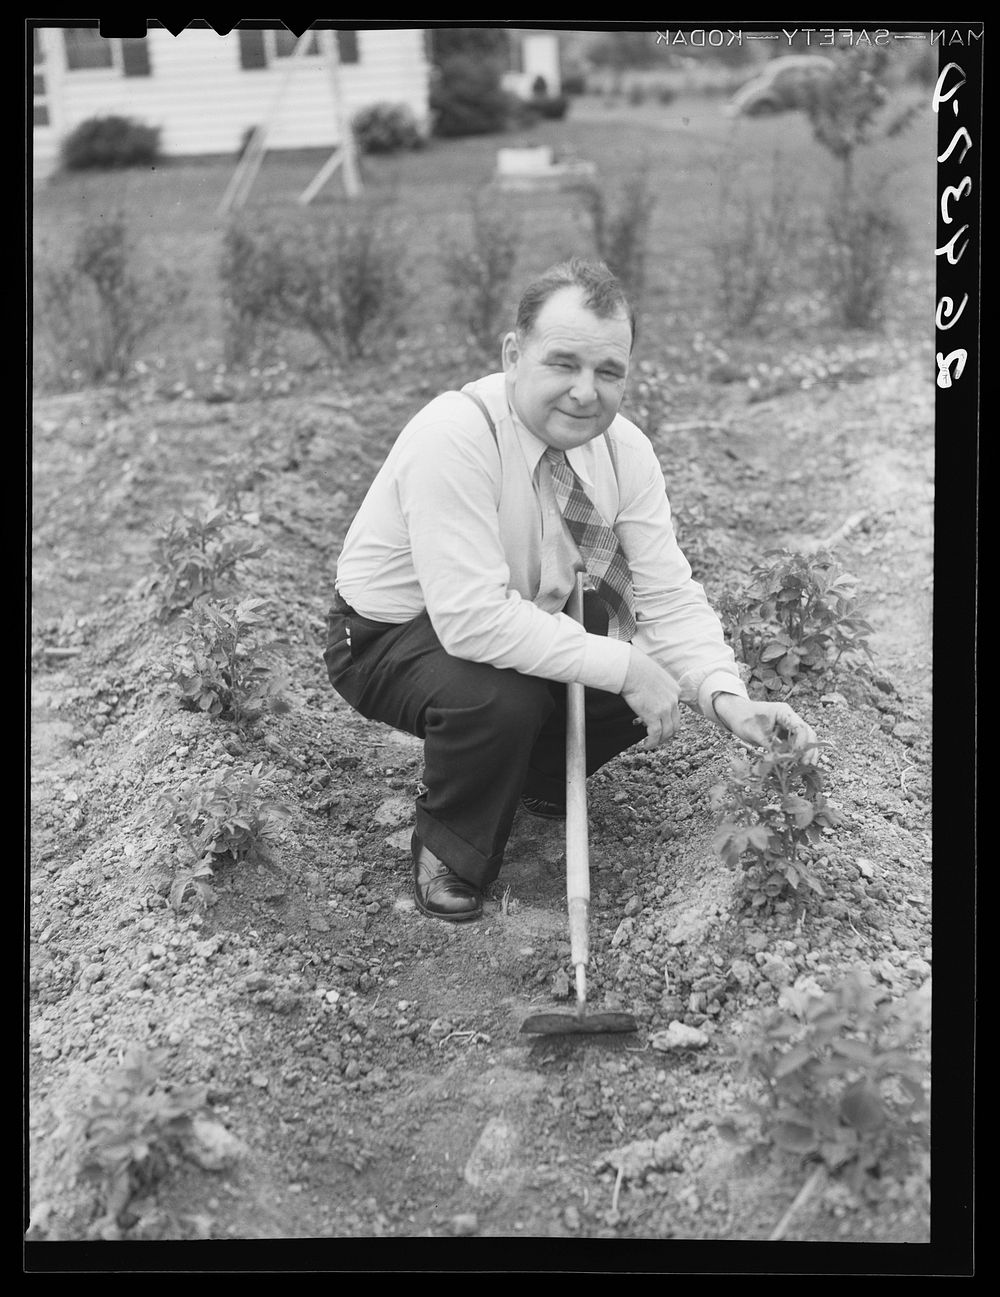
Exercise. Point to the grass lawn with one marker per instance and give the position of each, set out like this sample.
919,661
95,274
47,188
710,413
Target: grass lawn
682,149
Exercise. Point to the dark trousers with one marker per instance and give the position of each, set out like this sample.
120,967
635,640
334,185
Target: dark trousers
490,735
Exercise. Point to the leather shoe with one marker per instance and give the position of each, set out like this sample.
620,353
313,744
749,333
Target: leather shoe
544,810
439,891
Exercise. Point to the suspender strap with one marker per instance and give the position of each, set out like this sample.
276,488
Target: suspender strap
489,419
486,414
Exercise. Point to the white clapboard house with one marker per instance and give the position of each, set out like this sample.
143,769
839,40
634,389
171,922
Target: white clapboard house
205,91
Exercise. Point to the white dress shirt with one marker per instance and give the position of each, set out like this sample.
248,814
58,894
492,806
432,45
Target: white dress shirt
470,529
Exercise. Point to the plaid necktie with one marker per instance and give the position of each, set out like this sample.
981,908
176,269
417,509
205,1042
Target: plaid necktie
598,546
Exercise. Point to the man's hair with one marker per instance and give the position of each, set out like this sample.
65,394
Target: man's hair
602,293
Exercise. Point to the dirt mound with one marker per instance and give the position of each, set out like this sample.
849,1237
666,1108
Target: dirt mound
357,1069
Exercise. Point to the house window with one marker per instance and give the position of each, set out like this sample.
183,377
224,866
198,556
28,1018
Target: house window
258,49
40,107
87,49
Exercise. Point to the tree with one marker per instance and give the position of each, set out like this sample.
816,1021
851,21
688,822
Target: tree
844,108
866,237
466,95
477,42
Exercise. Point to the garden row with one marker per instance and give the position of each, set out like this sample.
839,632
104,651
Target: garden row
796,622
839,1073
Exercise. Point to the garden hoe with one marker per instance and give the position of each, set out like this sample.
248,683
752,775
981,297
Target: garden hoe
577,873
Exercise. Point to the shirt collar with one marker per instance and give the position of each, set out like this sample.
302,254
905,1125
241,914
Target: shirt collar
581,458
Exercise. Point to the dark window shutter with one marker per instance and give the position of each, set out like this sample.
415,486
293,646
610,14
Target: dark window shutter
135,56
86,48
347,44
252,51
41,115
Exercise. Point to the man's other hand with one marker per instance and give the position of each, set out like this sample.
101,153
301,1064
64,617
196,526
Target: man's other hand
756,722
652,693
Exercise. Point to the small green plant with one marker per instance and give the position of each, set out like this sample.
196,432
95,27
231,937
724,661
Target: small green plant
94,306
222,665
106,143
219,818
845,1079
773,816
134,1130
621,235
194,555
797,619
480,275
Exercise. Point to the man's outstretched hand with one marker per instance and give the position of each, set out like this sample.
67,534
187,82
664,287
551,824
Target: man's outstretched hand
653,695
756,722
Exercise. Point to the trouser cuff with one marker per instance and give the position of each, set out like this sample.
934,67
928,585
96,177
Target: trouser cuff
460,856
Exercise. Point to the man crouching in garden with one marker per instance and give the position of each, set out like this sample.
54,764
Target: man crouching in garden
448,618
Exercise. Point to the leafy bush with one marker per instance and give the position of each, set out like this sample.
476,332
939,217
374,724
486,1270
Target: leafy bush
249,271
845,1077
467,98
104,143
222,665
341,279
845,111
621,235
864,248
93,308
194,555
386,128
797,619
217,818
551,107
774,813
750,244
480,275
134,1129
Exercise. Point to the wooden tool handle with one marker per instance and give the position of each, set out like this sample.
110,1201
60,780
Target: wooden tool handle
577,847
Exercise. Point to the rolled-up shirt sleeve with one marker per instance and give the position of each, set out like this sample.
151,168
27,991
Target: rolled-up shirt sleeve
447,484
675,622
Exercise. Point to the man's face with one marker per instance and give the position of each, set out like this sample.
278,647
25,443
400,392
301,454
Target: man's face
566,378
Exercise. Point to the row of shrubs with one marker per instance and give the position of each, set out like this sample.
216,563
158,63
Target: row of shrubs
345,282
114,142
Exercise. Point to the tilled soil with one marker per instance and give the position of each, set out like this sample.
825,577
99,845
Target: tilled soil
363,1068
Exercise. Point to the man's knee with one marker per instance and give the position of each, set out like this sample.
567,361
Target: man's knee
504,701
